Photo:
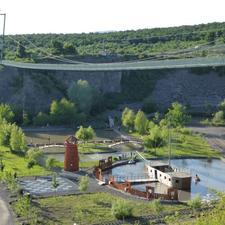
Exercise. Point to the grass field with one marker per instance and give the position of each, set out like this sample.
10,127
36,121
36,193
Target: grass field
186,145
18,164
89,209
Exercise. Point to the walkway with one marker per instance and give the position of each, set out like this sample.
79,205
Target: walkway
6,217
122,66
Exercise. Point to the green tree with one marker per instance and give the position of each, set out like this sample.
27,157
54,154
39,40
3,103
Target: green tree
57,47
83,94
69,48
128,117
6,113
21,51
5,133
17,139
219,118
222,106
63,112
85,134
42,119
156,138
83,183
140,122
177,116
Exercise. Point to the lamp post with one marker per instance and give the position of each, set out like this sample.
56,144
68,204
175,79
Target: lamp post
3,36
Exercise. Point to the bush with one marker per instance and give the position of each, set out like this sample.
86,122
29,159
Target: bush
6,113
157,206
122,209
195,203
50,163
218,118
83,184
141,122
41,119
35,155
31,163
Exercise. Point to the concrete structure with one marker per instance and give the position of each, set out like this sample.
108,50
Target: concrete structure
71,160
167,175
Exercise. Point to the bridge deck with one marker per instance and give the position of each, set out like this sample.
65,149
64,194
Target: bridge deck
120,66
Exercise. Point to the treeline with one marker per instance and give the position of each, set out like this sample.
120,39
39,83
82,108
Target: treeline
139,44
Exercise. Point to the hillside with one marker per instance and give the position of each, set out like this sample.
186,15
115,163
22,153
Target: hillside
157,43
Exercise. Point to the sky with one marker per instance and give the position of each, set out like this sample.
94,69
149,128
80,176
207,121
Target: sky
77,16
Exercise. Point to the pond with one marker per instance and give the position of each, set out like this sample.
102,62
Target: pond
210,172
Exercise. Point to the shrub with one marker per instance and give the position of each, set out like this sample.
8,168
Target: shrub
195,203
218,118
6,113
83,184
157,206
50,163
127,119
31,163
41,119
35,155
122,209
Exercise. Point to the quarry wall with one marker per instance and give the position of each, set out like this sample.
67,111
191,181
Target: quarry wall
201,90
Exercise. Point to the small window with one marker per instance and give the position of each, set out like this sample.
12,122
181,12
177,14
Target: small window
160,175
151,170
177,181
169,179
165,177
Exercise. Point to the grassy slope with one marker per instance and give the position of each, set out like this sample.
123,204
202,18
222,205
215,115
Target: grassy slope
89,208
189,145
18,164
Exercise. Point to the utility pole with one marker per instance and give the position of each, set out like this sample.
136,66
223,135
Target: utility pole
3,36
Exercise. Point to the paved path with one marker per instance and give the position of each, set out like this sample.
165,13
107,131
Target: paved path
5,214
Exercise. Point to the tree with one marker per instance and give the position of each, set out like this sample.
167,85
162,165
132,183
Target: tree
21,51
57,47
156,138
85,134
222,106
122,209
83,183
128,117
210,37
17,139
5,133
42,119
177,116
219,118
63,112
6,113
83,95
140,122
69,48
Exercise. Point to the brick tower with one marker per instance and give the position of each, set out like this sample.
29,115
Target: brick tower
71,158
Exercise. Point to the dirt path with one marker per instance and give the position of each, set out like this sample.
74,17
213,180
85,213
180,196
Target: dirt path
215,136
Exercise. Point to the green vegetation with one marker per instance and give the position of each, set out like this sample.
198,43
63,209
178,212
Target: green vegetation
85,134
83,183
195,203
18,163
176,115
128,117
122,209
145,43
90,209
6,113
140,122
83,95
218,118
